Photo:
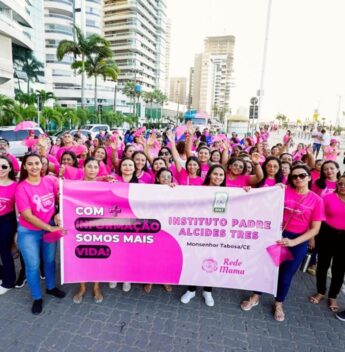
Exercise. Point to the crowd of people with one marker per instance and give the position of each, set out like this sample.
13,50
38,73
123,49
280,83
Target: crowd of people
314,201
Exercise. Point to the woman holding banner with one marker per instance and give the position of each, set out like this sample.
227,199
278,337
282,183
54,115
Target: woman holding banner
302,217
8,223
216,178
36,199
91,170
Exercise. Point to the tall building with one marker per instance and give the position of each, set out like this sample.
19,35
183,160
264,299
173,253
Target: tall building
15,24
212,74
178,90
137,31
60,16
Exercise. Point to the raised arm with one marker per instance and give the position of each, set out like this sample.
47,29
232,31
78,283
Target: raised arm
175,154
259,175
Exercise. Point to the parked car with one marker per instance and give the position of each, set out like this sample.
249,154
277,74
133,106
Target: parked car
95,129
17,147
86,133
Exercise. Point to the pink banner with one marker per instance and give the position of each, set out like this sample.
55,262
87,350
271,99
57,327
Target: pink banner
204,236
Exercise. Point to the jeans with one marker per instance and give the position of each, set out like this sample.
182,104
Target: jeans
30,242
289,268
8,228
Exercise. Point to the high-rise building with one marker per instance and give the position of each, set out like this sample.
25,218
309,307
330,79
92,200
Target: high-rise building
60,16
15,24
212,74
178,90
137,31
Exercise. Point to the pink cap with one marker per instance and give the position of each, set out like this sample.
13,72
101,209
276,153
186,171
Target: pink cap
333,140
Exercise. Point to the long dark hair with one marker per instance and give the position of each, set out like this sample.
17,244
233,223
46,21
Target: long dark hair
139,152
321,182
134,178
278,176
209,172
299,166
194,158
11,174
23,171
73,156
105,151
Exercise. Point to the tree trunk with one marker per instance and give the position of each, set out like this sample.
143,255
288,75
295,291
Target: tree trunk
96,111
83,84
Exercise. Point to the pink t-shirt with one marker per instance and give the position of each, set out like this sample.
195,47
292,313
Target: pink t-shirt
54,149
330,153
286,139
62,150
330,188
109,156
145,177
300,210
239,181
39,198
7,198
314,175
104,169
204,170
73,173
285,180
269,182
334,210
185,180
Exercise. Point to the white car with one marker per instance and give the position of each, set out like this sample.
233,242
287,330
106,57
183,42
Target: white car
95,129
17,147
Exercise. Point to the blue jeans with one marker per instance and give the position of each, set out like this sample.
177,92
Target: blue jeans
30,242
289,268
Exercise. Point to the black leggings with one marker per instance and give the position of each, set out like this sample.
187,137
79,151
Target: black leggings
8,228
330,244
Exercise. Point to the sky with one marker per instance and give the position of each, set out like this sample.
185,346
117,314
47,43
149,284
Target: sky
305,66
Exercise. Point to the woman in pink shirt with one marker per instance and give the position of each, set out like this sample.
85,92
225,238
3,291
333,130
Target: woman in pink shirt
315,172
330,245
36,199
286,169
302,217
100,154
327,182
214,178
190,175
272,170
331,151
8,223
140,161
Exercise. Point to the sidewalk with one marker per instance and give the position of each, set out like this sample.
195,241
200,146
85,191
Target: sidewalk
135,321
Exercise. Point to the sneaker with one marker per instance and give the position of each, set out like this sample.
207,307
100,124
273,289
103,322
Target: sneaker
341,315
112,284
20,282
37,306
126,287
208,298
56,293
3,290
187,297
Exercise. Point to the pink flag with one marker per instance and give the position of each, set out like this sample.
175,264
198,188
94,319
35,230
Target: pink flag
180,130
51,237
279,253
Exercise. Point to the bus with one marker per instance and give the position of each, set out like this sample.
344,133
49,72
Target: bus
199,118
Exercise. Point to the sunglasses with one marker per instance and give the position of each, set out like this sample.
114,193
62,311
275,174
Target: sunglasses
238,166
4,167
164,153
301,176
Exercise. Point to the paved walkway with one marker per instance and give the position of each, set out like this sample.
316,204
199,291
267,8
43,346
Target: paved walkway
136,321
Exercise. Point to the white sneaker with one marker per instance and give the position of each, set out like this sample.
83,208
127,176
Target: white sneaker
126,287
3,290
112,284
187,296
208,298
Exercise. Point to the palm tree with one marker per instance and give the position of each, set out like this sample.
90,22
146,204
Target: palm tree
99,65
129,92
82,47
30,65
6,104
45,96
159,97
26,99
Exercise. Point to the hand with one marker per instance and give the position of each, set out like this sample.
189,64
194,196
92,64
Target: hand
57,219
311,243
247,188
113,145
62,171
255,158
55,228
171,136
286,242
172,185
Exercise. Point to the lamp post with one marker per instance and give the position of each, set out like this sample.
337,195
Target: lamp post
264,58
178,101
